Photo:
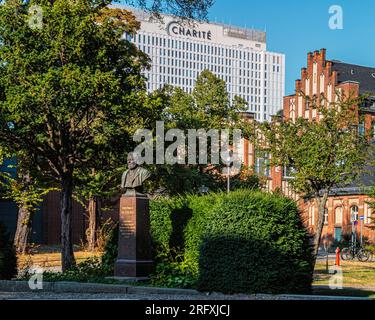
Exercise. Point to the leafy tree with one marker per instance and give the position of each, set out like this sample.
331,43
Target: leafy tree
98,183
189,9
67,89
325,153
207,107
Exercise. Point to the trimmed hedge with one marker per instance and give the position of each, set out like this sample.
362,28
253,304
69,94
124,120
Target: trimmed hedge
255,243
244,242
8,257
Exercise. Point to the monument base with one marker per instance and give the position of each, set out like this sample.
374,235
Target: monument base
129,279
133,268
135,246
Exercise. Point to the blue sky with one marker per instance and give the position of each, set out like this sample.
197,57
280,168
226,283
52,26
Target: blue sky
295,27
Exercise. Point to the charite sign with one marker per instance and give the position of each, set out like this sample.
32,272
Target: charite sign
175,28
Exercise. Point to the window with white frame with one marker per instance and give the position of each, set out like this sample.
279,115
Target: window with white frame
288,171
354,213
262,164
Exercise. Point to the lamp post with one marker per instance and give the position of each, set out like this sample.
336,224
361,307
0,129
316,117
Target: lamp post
228,179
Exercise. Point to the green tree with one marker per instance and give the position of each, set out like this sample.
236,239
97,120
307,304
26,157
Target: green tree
188,9
97,185
325,153
66,87
207,107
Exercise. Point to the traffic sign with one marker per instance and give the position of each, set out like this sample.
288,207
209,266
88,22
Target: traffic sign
362,218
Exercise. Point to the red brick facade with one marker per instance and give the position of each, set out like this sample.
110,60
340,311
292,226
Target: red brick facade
319,78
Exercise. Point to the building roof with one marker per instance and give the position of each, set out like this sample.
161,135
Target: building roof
365,76
361,185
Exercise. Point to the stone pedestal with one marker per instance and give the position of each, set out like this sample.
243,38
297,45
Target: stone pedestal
134,247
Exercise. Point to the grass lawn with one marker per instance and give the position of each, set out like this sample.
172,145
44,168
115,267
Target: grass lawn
49,257
357,275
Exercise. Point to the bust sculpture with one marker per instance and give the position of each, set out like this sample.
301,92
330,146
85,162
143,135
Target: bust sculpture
134,178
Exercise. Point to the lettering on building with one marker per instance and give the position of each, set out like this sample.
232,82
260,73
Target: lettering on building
174,28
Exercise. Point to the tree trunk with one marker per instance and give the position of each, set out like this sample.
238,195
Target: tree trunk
67,255
23,231
321,201
93,212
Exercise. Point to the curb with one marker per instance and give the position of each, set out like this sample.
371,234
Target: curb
321,287
77,287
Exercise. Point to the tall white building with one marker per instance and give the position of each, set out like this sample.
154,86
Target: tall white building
180,52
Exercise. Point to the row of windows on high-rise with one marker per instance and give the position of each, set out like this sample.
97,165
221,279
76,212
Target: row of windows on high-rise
148,41
252,79
184,81
220,62
197,46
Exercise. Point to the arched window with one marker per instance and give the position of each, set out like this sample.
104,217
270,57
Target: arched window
338,216
354,213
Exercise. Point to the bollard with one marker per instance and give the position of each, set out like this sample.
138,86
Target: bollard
338,257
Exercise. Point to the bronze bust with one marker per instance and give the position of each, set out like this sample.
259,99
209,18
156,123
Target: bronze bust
135,176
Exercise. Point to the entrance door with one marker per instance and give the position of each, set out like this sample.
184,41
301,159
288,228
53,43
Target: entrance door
338,234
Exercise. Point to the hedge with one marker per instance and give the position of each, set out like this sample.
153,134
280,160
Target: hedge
255,243
8,257
242,242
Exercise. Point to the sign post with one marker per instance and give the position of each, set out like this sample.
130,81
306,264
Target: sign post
362,218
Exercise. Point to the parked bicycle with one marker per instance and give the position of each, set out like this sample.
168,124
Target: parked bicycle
359,252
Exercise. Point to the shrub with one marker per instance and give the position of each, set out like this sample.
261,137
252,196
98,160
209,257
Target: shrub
255,242
110,251
247,242
8,257
172,271
168,220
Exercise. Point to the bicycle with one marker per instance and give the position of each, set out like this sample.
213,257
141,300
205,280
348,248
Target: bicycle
362,254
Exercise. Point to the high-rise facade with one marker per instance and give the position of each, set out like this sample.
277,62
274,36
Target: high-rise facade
181,51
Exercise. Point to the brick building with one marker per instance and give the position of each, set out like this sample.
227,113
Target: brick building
345,205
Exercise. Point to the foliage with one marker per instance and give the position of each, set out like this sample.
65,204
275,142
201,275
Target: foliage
110,251
8,258
105,234
185,9
262,237
67,90
258,235
371,247
207,107
325,153
172,270
90,270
